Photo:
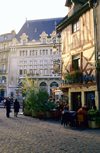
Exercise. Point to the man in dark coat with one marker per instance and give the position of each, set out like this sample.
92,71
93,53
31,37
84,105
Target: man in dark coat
7,105
16,107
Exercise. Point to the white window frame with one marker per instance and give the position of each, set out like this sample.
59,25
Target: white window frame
25,62
35,62
41,62
45,71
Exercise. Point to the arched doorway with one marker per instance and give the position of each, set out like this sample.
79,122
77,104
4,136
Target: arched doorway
53,85
43,85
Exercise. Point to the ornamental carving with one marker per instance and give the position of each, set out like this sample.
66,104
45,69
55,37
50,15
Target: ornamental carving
24,36
44,34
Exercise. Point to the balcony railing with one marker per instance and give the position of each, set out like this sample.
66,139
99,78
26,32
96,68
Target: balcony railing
2,71
4,49
42,76
2,81
4,60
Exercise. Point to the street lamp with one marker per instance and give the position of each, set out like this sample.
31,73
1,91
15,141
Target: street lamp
56,63
54,47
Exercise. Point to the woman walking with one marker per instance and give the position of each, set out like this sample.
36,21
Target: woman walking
16,107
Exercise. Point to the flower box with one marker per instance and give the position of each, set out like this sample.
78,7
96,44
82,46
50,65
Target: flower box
93,125
27,112
35,114
73,77
48,114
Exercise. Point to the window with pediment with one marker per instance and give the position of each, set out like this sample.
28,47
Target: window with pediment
54,40
24,42
44,40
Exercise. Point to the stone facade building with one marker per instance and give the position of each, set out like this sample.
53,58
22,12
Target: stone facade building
31,55
5,40
78,54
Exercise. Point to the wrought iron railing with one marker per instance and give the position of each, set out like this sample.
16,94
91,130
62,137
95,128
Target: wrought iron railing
4,59
2,71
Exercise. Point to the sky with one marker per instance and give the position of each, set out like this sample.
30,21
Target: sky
13,13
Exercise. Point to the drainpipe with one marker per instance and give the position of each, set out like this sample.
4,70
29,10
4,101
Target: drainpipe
96,52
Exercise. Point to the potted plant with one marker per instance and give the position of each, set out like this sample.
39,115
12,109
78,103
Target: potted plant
36,100
42,104
30,90
73,76
93,119
27,110
28,74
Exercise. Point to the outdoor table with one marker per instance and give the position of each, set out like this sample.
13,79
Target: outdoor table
53,110
53,113
72,112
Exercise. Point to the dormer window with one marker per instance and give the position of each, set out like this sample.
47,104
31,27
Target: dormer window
35,30
44,40
24,42
5,38
75,26
54,40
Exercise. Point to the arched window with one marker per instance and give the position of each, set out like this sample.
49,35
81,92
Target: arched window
54,84
3,79
43,85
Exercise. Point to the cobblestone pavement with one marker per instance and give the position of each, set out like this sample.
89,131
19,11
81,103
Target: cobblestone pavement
26,134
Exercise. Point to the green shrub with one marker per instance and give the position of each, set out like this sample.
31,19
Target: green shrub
94,115
36,99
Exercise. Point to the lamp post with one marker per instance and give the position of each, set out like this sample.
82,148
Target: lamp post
57,63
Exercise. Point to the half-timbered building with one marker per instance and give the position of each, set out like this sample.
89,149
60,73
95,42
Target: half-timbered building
78,55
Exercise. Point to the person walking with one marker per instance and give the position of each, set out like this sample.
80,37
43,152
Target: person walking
8,106
16,107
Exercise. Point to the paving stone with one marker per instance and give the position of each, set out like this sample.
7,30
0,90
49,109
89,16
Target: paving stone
26,134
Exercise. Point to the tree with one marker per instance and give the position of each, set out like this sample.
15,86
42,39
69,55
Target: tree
30,89
36,99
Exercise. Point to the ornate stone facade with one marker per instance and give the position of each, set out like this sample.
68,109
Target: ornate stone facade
34,59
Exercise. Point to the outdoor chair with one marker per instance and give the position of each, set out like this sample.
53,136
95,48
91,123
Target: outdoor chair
42,115
59,113
80,120
53,115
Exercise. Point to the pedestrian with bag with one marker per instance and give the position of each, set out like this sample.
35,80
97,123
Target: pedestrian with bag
16,107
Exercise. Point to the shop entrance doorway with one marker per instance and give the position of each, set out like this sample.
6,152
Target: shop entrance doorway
76,101
90,99
2,92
